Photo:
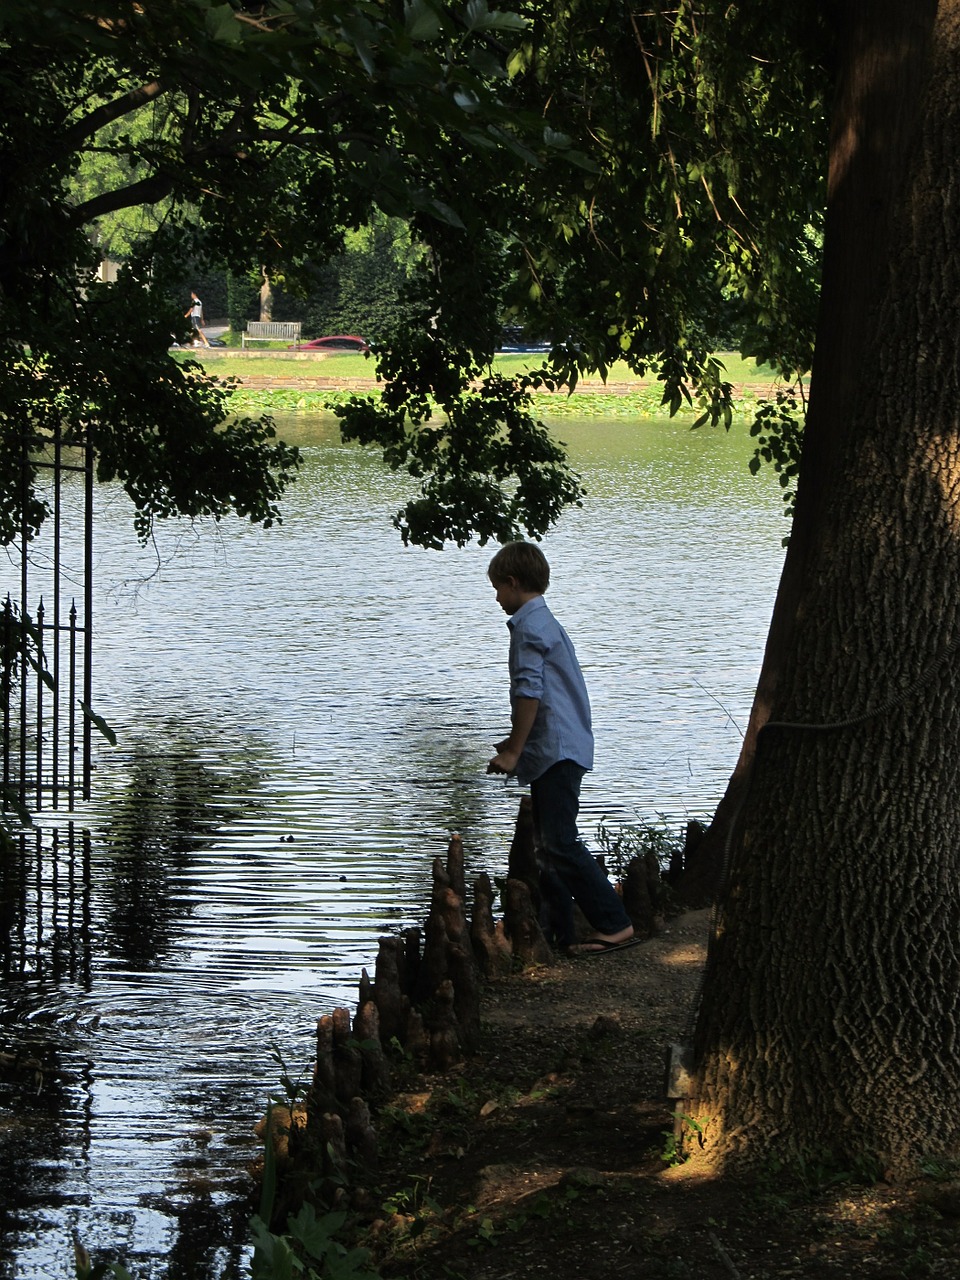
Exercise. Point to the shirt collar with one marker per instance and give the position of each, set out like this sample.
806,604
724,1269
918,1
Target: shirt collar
537,602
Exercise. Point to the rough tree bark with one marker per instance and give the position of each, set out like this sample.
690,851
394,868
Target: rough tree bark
829,1021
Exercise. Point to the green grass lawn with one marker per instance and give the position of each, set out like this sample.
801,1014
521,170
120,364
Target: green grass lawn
354,365
347,364
737,370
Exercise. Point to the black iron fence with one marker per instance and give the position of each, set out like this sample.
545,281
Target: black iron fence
45,643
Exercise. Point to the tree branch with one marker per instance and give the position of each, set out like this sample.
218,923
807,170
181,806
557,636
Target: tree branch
147,191
71,138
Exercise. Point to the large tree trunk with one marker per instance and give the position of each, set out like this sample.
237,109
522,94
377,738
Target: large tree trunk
882,51
829,1022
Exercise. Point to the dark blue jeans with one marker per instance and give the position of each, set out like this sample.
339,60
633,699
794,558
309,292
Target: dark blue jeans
568,871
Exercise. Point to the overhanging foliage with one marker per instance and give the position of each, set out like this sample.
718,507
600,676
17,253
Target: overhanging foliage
625,183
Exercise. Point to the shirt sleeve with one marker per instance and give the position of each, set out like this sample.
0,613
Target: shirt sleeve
527,665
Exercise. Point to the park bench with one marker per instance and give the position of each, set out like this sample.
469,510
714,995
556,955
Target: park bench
271,331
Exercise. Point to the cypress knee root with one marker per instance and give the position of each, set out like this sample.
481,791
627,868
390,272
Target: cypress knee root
347,1060
455,871
361,1136
323,1089
491,947
522,926
445,1041
387,992
375,1071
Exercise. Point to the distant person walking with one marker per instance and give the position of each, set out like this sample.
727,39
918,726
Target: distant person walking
195,312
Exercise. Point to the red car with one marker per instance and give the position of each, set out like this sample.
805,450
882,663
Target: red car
335,342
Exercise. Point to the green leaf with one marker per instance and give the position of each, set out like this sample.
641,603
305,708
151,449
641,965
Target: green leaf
475,14
222,24
558,141
517,62
315,1234
99,723
421,20
502,20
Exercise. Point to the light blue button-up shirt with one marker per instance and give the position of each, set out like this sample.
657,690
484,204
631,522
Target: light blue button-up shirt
543,665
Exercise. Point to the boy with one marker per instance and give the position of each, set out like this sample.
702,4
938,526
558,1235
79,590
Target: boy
551,747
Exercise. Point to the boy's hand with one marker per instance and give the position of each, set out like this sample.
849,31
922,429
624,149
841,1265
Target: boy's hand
510,749
505,761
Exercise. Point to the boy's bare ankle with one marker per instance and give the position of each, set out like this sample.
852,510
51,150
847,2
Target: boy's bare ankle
623,936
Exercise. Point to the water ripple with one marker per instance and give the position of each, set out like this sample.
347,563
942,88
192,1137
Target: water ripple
304,715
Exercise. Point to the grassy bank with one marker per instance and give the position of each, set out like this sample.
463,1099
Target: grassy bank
349,364
316,381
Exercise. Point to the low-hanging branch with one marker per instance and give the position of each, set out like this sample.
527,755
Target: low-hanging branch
147,191
108,112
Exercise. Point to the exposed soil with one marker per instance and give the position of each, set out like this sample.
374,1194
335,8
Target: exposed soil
544,1155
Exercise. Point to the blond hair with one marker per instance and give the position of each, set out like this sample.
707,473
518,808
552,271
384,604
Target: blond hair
523,561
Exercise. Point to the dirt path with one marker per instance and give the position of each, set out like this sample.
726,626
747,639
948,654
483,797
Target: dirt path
544,1155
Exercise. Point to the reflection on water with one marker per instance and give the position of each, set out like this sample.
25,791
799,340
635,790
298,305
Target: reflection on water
45,906
167,813
303,715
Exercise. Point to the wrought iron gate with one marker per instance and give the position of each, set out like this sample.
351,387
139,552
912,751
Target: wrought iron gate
46,637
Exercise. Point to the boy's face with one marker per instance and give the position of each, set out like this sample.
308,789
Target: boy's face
510,595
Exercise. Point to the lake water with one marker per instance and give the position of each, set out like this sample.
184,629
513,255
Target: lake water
304,714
